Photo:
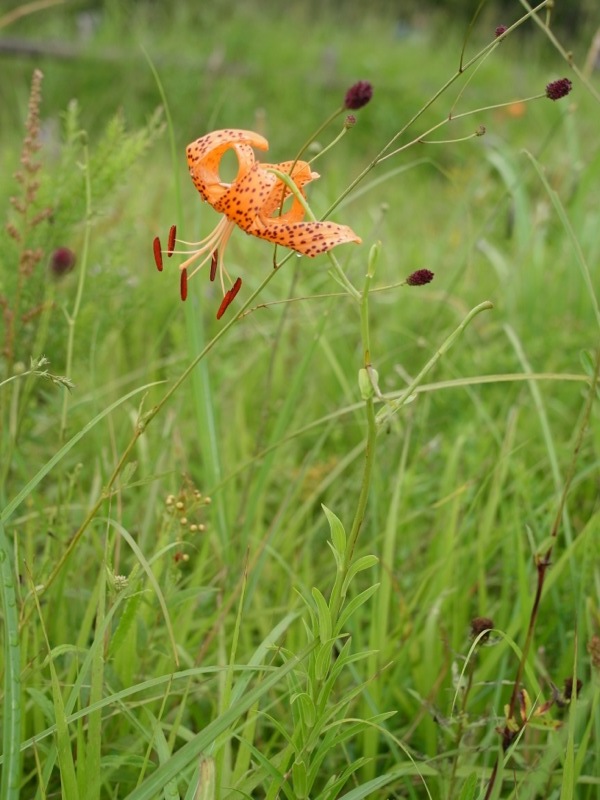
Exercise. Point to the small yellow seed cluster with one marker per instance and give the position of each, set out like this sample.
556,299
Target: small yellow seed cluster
184,507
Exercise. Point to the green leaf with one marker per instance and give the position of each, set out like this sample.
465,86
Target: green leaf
186,755
336,783
324,615
358,566
469,788
205,786
338,534
323,660
353,605
307,708
60,454
299,779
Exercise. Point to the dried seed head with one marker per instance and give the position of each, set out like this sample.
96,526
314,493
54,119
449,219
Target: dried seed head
479,625
593,648
358,95
12,231
571,689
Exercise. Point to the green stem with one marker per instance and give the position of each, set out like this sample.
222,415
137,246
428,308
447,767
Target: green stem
331,144
73,316
336,272
337,597
140,428
11,729
394,405
462,68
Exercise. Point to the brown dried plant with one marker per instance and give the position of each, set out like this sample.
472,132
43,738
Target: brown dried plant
27,216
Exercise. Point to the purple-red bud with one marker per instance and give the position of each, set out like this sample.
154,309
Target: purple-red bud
558,89
358,95
420,277
62,261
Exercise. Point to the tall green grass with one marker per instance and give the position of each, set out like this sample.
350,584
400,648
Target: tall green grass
229,568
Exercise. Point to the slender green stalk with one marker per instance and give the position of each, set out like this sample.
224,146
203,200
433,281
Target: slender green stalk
462,68
561,212
204,405
304,147
337,272
543,562
11,727
337,597
566,54
384,415
143,423
74,314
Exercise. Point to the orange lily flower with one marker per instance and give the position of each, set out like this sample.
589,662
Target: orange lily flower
252,202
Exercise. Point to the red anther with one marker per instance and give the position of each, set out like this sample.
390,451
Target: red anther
183,283
228,299
171,243
236,287
157,254
213,264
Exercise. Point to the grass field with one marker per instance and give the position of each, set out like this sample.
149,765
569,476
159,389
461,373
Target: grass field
342,542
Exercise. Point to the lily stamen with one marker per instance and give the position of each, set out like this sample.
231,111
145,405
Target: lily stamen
172,240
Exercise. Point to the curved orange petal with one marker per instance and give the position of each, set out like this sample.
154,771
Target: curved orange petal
251,201
205,154
245,199
308,238
301,174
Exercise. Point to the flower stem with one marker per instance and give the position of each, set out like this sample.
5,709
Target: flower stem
337,272
395,405
337,597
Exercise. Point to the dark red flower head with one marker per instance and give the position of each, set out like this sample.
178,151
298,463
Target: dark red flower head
358,95
500,30
420,277
62,261
558,89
